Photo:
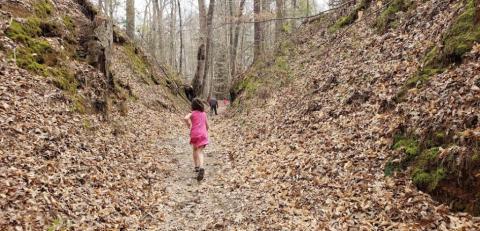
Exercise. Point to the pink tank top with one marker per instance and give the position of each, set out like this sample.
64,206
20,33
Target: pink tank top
199,124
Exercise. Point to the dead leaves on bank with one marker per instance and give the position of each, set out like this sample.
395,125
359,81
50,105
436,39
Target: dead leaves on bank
60,169
313,156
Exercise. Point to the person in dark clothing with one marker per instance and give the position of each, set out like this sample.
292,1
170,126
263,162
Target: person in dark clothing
233,95
213,105
189,92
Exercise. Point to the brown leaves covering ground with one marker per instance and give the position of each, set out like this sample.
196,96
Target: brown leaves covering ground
312,157
63,170
58,165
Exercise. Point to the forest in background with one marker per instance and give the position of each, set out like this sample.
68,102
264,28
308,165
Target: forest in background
209,43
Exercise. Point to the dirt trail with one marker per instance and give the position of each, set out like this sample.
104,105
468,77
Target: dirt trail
192,205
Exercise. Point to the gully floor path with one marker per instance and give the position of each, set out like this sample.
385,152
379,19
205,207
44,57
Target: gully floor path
193,205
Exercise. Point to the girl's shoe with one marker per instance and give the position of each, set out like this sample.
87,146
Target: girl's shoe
201,174
197,169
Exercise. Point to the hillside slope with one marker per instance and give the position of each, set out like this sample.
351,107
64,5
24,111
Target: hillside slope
343,128
79,150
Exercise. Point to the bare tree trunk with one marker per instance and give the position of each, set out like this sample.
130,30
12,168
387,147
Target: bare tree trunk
235,39
180,59
294,6
229,39
308,8
211,80
264,13
144,26
294,14
106,39
106,7
100,5
158,37
131,18
230,27
155,27
109,9
173,23
202,20
198,79
257,37
242,47
279,23
208,42
477,12
161,31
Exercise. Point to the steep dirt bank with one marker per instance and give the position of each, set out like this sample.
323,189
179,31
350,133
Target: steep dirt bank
79,150
65,170
350,103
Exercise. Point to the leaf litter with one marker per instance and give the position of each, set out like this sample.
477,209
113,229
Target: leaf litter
312,157
296,163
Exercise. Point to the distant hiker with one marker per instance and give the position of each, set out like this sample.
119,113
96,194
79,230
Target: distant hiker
233,95
225,101
189,92
213,105
198,124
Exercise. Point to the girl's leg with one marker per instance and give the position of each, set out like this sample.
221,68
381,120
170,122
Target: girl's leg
201,171
195,157
200,157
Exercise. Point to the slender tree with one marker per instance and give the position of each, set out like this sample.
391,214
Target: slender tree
208,44
198,79
293,10
233,59
257,37
232,15
180,59
146,12
477,12
173,22
100,5
158,30
279,23
202,20
265,25
130,18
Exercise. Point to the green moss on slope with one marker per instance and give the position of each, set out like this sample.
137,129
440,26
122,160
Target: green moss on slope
458,40
43,8
138,63
426,173
350,18
68,22
428,180
407,144
24,32
388,16
36,55
35,52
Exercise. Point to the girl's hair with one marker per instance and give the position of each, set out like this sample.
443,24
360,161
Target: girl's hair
197,105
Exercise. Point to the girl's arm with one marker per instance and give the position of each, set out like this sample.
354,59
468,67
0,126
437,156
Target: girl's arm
187,120
206,121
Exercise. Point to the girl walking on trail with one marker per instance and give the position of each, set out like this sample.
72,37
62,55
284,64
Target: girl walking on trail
198,125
